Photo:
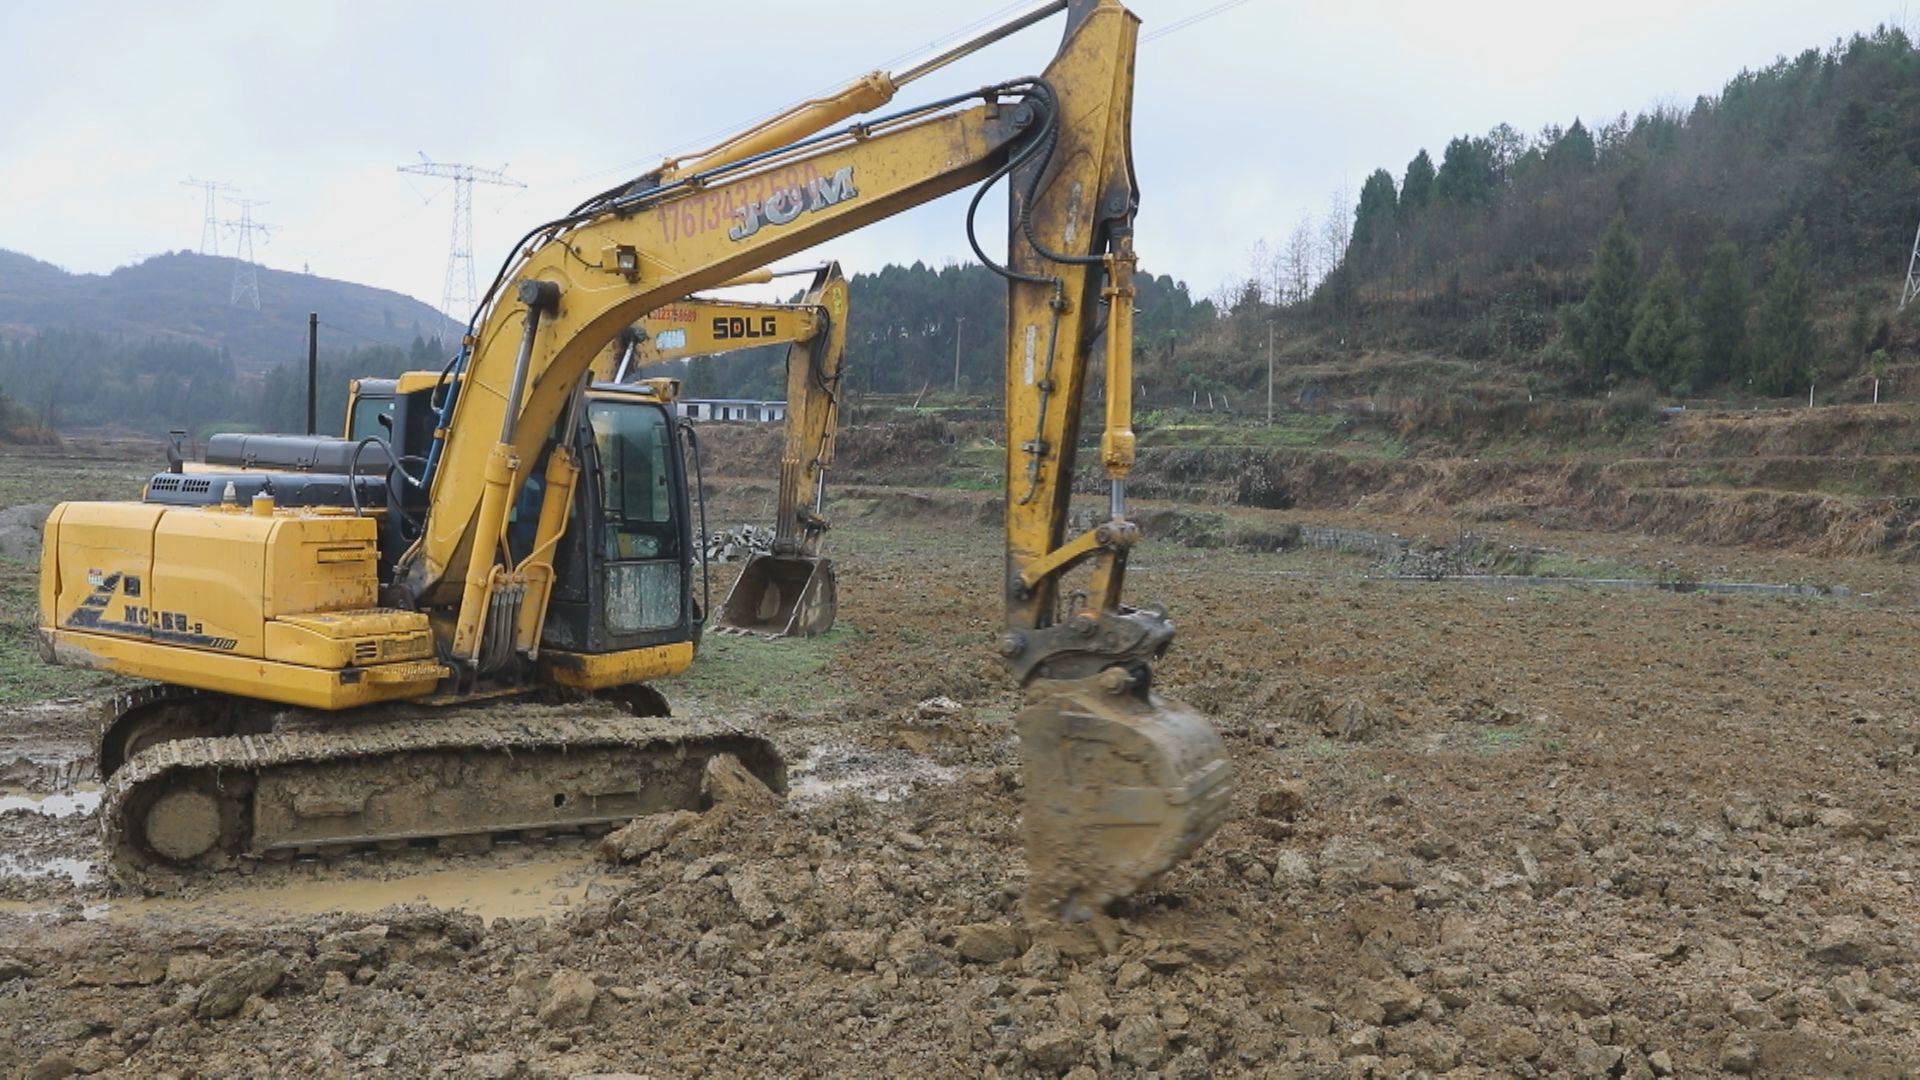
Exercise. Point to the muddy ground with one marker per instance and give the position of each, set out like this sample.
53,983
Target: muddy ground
1478,830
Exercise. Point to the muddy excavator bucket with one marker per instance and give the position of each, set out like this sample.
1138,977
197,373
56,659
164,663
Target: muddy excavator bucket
781,596
1120,785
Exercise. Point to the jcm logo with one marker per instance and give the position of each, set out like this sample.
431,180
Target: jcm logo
726,328
783,206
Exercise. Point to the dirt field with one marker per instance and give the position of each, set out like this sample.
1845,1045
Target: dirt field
1482,829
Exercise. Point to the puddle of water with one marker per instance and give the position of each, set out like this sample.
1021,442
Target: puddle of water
830,770
523,890
77,871
80,800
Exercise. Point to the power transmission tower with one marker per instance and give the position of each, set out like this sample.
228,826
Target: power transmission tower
1913,275
246,276
210,224
459,294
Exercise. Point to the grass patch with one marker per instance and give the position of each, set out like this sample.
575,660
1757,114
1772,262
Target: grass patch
1493,741
751,672
24,676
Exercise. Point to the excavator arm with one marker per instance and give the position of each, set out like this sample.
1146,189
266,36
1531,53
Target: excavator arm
1120,783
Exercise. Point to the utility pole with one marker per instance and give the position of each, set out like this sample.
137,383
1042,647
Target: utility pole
959,324
1913,275
1269,373
313,369
210,221
459,294
246,276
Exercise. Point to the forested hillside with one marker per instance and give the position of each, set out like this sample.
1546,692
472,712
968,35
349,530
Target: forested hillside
185,299
1754,242
71,379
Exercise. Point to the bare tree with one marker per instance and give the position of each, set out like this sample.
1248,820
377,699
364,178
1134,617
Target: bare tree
1336,229
1298,268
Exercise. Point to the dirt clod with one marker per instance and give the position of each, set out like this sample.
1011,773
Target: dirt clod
644,836
568,999
227,988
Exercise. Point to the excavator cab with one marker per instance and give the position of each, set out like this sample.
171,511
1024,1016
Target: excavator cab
623,571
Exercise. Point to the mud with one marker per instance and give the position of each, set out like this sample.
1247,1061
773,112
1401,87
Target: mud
1513,831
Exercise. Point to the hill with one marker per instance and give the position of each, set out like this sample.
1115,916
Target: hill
183,299
1758,234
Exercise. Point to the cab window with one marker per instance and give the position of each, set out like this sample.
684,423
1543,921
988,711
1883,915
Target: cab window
635,446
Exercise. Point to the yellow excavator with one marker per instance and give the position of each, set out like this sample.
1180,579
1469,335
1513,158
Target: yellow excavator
791,590
355,646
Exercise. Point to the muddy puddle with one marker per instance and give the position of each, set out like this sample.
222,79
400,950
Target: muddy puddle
836,770
84,799
543,886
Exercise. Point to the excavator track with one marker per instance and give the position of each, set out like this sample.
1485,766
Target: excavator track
187,807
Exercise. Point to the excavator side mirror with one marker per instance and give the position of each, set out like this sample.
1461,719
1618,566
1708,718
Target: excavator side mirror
386,421
176,456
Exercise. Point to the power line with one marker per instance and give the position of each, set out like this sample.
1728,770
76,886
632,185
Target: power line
459,294
1191,20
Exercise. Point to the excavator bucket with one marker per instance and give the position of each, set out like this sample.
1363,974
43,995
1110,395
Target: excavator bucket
782,596
1119,787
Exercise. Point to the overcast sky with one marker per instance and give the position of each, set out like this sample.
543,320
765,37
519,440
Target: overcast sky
1243,120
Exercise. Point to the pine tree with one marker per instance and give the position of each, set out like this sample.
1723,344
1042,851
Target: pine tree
1661,346
1416,191
1467,176
1783,353
1373,220
1602,323
1721,313
1573,151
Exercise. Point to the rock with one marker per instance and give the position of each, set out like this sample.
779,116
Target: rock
1308,1020
1516,1043
1388,873
1054,1049
227,988
988,943
854,950
1744,817
54,1066
1040,961
1293,870
726,780
764,890
1584,995
495,1066
13,967
1131,974
1140,1041
1397,998
1282,802
367,943
189,968
1661,1062
1842,942
644,836
1835,817
137,970
1592,1059
1429,1047
568,1000
1739,1055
